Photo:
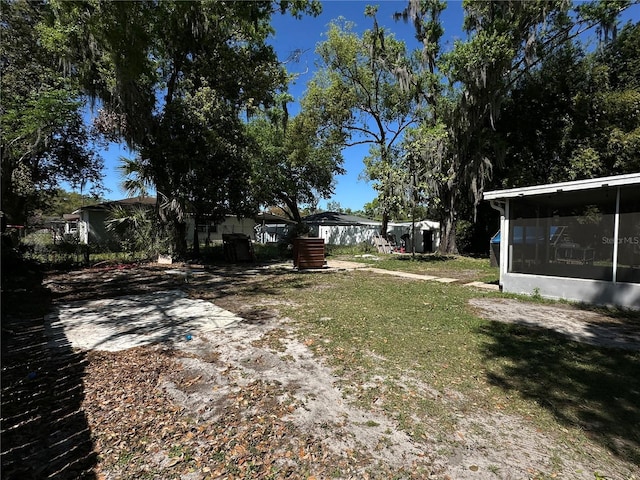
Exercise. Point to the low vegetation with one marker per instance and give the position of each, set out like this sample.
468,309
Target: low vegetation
453,266
415,351
373,328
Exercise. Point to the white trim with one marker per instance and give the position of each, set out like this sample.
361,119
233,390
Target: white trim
589,184
616,236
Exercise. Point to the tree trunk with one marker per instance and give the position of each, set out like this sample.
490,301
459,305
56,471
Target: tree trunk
293,208
448,227
385,224
180,238
196,240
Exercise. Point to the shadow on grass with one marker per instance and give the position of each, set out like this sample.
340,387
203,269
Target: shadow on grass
113,281
595,389
424,258
45,433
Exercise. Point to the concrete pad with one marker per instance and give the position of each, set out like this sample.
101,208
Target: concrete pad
414,276
446,280
115,324
486,286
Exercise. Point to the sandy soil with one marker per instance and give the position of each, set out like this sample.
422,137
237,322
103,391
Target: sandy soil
215,371
576,324
483,445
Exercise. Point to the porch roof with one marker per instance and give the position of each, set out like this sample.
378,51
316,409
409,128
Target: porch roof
574,186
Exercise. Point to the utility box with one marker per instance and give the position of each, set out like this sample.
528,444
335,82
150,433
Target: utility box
308,253
237,247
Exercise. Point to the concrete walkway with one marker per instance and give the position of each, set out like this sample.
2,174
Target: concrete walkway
345,265
114,324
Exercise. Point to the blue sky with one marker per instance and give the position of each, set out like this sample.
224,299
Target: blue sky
291,34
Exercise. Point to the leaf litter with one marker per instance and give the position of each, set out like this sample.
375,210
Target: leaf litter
254,401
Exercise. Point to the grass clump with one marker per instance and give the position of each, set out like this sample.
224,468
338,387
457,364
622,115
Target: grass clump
466,269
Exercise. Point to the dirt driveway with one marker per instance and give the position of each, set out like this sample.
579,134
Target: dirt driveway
247,398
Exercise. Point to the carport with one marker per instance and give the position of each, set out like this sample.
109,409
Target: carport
576,240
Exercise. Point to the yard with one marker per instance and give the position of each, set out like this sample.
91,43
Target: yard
332,374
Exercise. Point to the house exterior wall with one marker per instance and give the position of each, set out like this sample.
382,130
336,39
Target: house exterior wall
214,231
356,234
345,234
91,227
574,289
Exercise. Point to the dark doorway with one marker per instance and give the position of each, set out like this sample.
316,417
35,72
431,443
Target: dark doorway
427,241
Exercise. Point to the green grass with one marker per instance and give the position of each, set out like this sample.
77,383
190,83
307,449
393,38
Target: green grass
453,266
377,333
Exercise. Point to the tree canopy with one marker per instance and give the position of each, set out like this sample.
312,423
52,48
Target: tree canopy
173,79
357,94
44,138
292,162
576,116
195,89
507,42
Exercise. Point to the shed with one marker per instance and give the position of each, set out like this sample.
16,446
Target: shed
576,240
89,221
426,235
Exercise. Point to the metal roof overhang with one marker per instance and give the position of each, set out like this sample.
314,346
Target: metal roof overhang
575,186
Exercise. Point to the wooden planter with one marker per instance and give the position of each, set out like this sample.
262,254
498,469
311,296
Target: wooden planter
308,253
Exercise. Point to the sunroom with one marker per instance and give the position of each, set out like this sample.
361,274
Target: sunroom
577,240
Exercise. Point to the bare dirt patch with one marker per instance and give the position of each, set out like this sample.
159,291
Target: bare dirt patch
575,323
254,401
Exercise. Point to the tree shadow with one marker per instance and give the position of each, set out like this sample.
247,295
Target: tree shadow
45,433
593,388
425,258
113,309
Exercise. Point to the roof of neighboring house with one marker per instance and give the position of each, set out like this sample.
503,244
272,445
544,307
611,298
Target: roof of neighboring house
577,185
132,201
271,219
418,224
336,218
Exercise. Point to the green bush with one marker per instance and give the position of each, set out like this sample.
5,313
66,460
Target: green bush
359,249
38,242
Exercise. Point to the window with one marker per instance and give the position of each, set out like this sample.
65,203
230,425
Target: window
564,234
628,267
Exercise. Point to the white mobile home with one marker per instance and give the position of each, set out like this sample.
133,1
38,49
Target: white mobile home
342,229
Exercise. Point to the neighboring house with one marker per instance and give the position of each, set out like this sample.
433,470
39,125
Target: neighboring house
211,231
575,240
89,224
342,229
426,235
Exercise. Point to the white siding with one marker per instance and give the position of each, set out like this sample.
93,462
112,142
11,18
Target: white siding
347,234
